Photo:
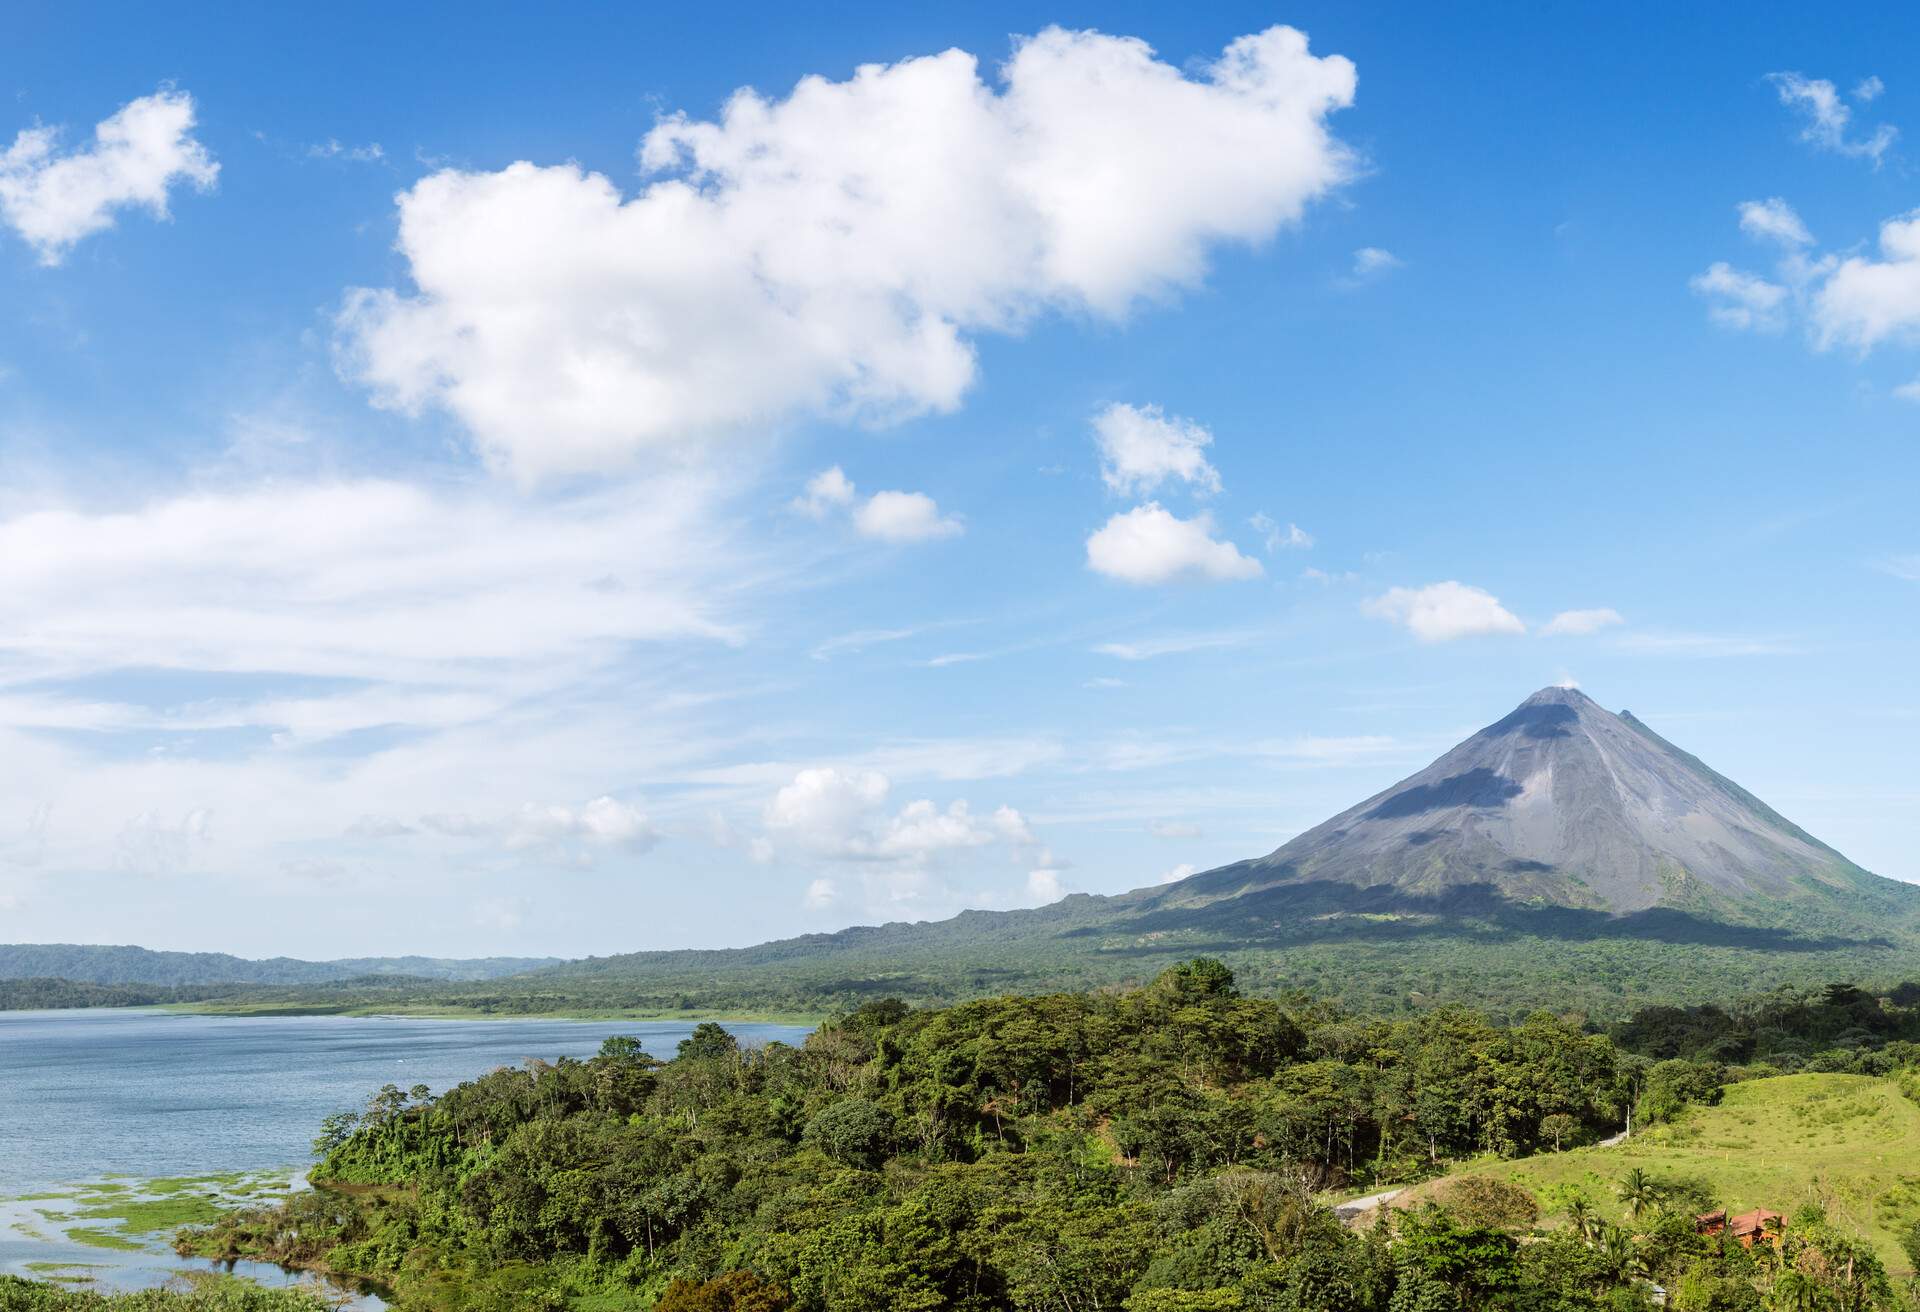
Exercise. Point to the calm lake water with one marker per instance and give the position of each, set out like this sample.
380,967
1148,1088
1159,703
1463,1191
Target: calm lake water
85,1095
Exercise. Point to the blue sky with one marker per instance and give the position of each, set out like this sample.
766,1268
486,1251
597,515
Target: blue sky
419,528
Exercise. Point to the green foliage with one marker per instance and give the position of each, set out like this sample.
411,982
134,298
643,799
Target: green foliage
853,1132
1482,1200
18,1295
1672,1085
1154,1150
736,1291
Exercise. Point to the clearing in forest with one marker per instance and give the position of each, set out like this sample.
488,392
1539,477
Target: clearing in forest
1849,1143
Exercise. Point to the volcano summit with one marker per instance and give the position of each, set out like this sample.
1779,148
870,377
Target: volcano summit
1564,803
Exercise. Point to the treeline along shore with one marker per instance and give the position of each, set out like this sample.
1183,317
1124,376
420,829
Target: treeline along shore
1177,1146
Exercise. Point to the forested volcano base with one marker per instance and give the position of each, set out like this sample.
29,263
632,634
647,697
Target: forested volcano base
1506,963
1165,1148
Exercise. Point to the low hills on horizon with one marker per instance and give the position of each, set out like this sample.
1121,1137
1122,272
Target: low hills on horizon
91,963
1564,856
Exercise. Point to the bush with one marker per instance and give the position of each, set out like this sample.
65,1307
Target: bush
1482,1202
853,1131
1910,1243
1673,1085
736,1291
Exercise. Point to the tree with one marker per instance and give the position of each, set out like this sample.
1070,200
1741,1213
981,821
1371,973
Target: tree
1202,977
1617,1253
709,1040
1582,1217
624,1047
1638,1191
1795,1291
853,1131
1557,1127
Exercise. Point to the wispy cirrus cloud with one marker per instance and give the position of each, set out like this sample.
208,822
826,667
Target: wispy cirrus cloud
1826,120
1579,623
1708,644
1175,644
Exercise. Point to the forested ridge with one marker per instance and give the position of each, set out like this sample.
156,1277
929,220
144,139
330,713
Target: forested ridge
1380,966
93,963
1162,1148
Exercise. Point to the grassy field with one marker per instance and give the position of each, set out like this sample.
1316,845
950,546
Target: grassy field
1849,1143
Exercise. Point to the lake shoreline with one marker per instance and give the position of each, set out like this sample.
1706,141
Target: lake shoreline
584,1015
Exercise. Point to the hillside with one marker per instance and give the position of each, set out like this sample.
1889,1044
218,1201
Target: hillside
1849,1144
100,964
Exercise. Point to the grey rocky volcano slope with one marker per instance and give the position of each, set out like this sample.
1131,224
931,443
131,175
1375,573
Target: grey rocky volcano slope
1561,803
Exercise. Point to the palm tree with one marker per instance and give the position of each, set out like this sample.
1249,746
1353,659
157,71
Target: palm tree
1795,1291
1618,1255
1638,1192
1580,1215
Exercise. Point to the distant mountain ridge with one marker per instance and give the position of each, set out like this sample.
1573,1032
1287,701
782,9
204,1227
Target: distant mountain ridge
101,964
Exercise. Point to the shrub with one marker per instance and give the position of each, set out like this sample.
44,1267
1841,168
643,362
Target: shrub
853,1131
736,1291
1482,1202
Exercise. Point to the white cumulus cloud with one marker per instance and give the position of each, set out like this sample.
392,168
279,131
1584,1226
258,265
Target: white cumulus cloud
835,251
1142,447
1149,545
827,491
888,516
1442,612
841,815
602,822
1045,887
53,199
1867,301
904,517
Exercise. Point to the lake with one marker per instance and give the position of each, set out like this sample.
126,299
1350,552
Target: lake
138,1094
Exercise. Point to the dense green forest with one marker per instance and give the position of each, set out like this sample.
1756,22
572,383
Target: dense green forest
91,963
1391,958
1503,972
54,994
1157,1149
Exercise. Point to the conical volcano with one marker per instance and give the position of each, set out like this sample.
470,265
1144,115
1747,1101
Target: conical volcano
1562,856
1561,802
